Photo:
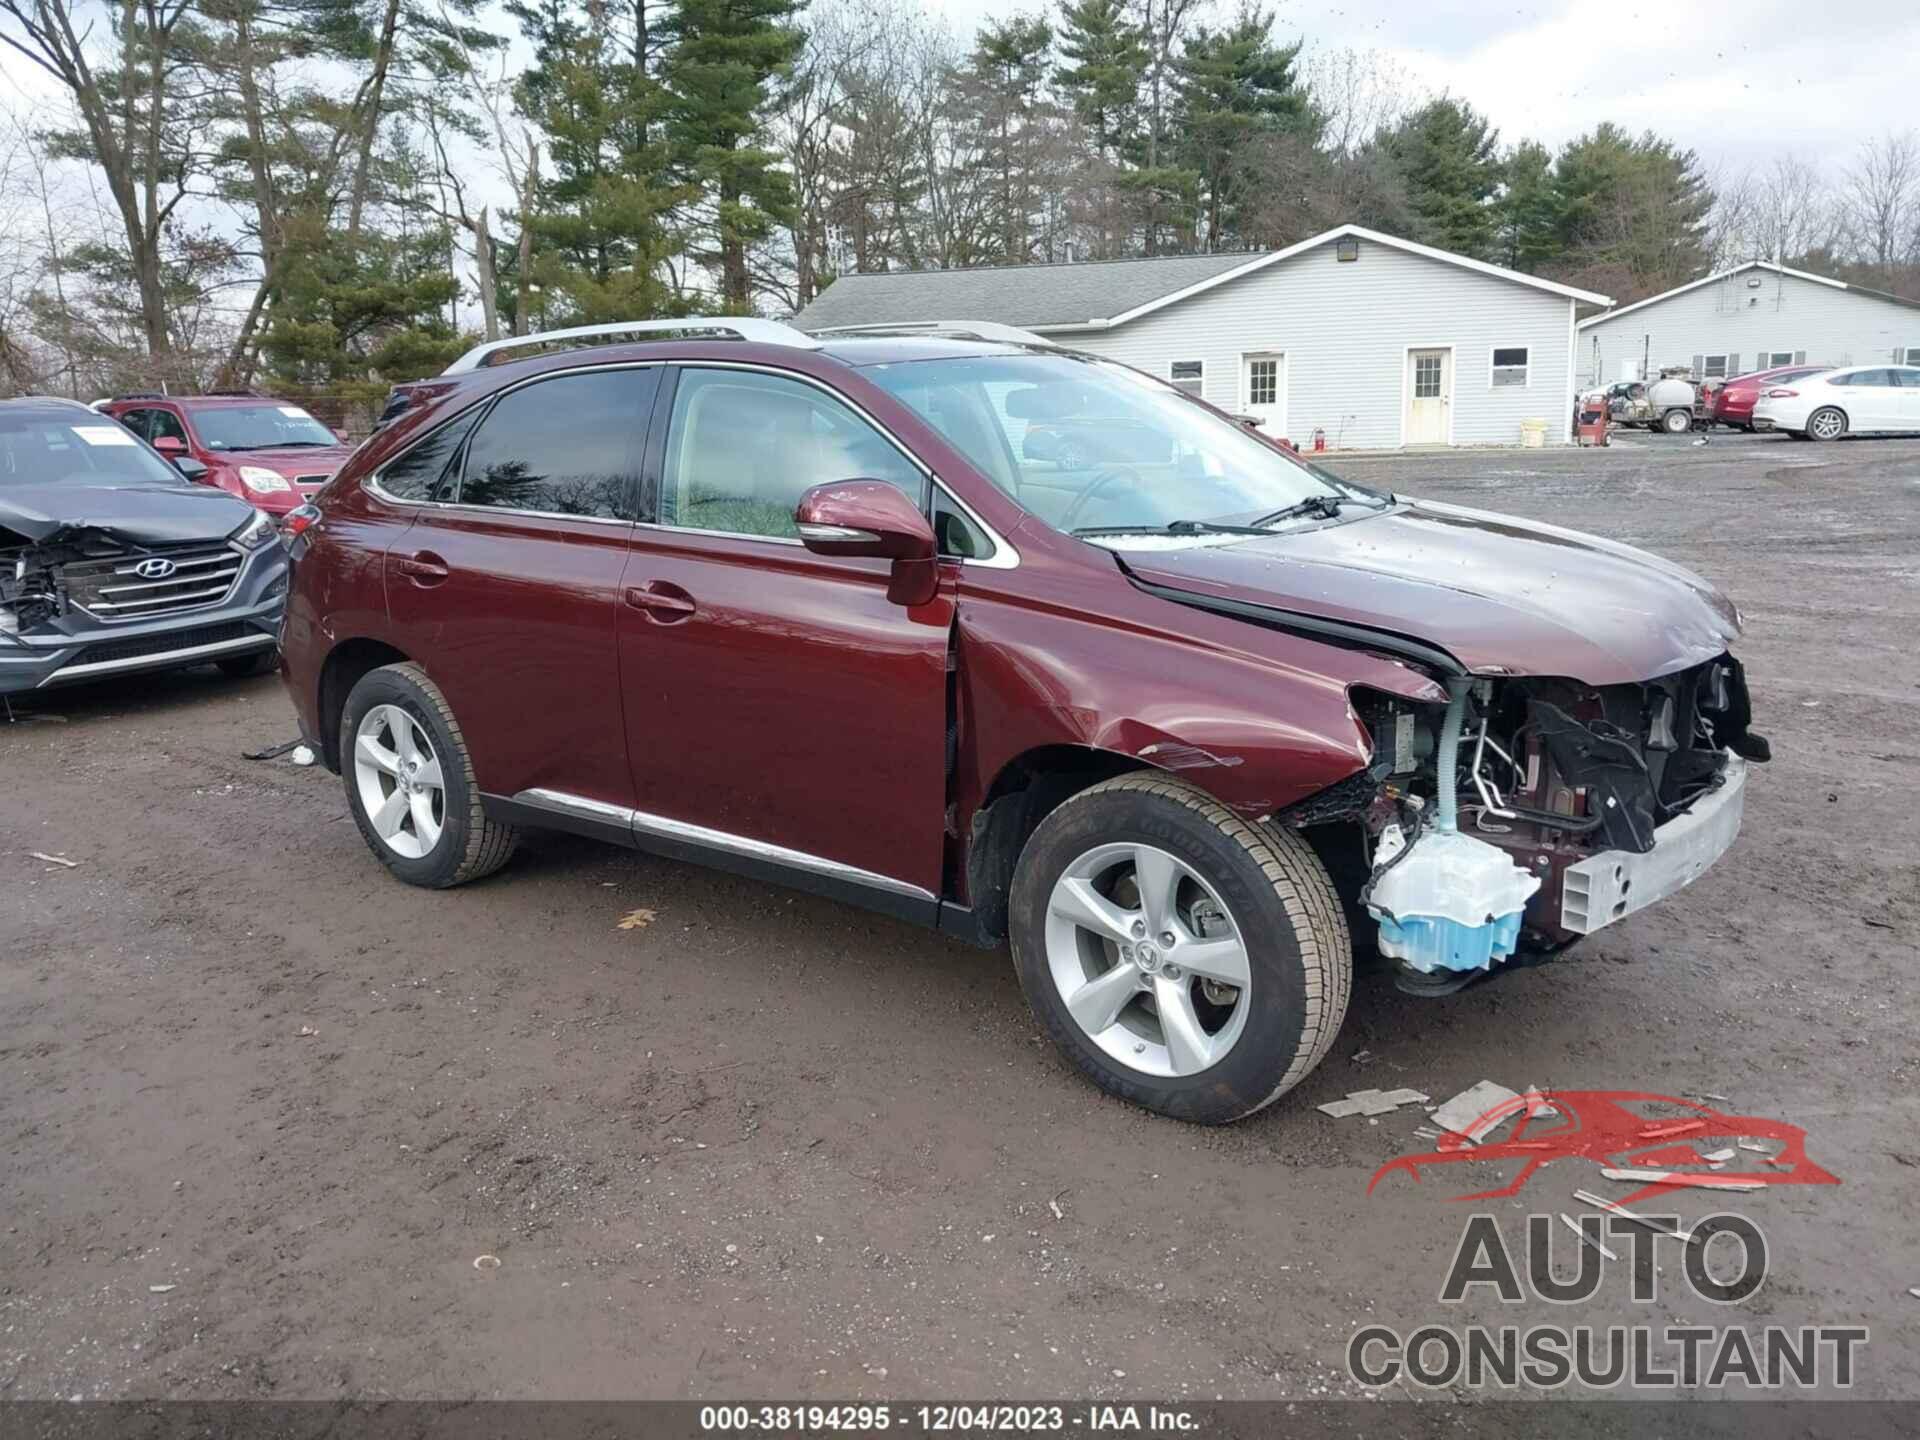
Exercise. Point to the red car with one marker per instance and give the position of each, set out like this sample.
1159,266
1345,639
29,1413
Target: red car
1731,402
800,608
270,453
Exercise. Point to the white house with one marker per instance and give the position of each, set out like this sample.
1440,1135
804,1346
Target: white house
1376,341
1752,317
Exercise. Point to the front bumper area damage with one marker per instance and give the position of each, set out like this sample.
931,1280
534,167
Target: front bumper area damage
1614,884
1546,807
84,602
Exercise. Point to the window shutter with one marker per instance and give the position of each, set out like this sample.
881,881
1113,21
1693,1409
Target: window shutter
1733,366
1799,357
1699,364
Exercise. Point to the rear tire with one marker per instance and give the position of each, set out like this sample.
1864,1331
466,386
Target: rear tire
1826,423
435,833
1257,893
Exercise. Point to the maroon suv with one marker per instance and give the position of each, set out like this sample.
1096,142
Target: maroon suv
1169,722
271,453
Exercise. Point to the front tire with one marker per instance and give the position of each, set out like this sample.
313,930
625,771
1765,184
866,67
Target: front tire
410,782
1676,422
1182,958
1826,423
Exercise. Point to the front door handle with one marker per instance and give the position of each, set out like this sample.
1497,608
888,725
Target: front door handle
663,602
423,567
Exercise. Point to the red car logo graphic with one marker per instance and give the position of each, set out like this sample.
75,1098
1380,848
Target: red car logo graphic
1597,1125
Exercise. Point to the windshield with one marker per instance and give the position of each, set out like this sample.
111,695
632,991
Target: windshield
1089,446
259,427
46,448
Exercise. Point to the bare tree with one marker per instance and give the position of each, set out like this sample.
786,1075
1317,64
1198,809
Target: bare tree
1881,196
134,131
517,154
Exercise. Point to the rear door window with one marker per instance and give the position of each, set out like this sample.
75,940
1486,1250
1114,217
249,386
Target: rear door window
425,471
565,446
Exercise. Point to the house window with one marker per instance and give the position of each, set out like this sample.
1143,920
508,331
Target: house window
1188,375
1774,359
1510,365
1263,382
1913,355
1713,367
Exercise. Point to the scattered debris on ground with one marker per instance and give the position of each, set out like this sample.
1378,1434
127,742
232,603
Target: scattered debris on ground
636,919
1680,1177
1585,1239
1466,1113
1371,1102
60,860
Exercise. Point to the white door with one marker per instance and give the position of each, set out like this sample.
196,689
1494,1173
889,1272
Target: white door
1870,398
1429,396
1263,392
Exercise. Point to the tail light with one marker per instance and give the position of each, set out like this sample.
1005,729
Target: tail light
1781,394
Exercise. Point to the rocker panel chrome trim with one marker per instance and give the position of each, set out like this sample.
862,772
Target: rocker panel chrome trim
660,827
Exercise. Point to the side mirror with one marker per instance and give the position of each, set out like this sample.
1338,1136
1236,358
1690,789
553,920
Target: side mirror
871,517
194,470
171,446
863,517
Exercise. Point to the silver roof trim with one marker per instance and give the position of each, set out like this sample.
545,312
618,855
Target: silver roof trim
762,332
953,329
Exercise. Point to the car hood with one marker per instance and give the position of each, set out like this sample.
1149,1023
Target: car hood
136,514
299,460
1503,596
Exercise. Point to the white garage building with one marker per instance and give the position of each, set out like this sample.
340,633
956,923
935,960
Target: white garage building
1752,317
1376,341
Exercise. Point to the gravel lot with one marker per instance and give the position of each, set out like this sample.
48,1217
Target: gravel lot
768,1146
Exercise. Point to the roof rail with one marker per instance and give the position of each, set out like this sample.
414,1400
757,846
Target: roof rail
141,395
763,332
52,400
957,329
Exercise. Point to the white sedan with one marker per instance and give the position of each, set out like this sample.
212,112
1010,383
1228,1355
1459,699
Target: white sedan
1872,399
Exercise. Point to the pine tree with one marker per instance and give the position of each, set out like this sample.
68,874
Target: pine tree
1109,57
1632,212
1528,211
726,58
1235,86
602,234
1447,157
1001,94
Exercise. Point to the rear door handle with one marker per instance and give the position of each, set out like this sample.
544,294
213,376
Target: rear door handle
424,568
663,602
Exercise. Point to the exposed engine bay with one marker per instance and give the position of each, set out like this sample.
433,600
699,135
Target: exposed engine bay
33,589
1468,854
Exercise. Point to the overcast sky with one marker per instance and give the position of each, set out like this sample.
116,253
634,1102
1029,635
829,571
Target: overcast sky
1734,79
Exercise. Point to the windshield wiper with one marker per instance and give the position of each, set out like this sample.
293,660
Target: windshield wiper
1327,507
1175,527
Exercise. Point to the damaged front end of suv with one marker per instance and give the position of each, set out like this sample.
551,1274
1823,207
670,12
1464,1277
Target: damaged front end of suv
1529,811
110,563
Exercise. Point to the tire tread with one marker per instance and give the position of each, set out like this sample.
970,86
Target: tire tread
1304,889
490,844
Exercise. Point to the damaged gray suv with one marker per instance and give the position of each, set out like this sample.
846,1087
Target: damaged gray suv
111,561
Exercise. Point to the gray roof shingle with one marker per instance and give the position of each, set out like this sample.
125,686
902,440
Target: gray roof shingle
1026,295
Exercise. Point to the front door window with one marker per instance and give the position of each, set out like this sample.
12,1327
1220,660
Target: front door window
743,447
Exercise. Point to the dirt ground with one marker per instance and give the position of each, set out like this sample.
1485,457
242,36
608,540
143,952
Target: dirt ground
765,1145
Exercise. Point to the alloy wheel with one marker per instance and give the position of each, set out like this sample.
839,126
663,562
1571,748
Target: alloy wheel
1147,960
400,781
1826,425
